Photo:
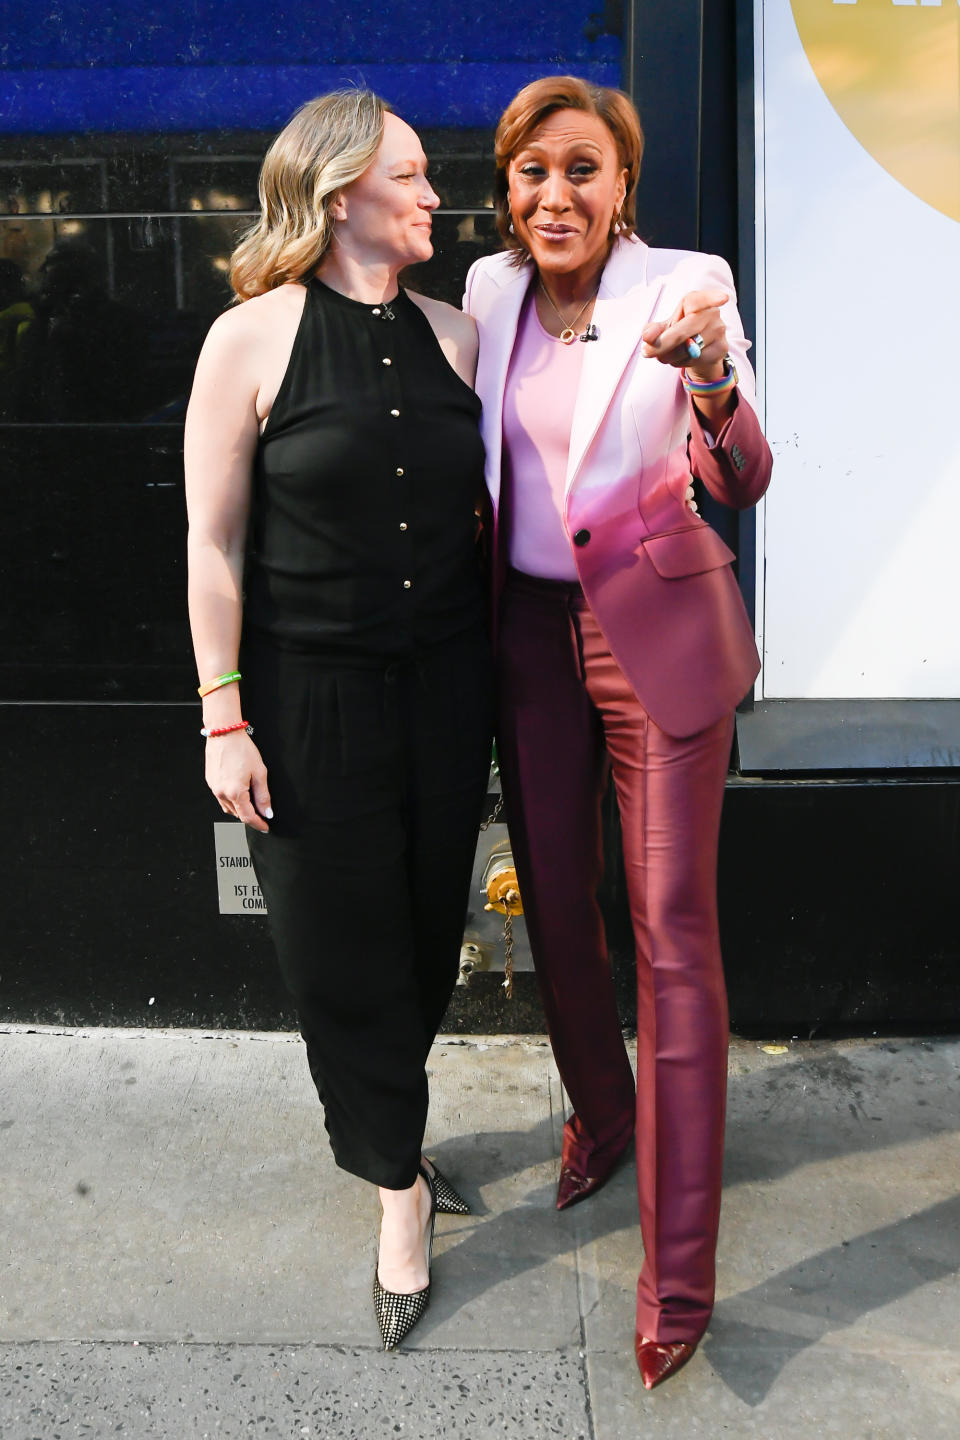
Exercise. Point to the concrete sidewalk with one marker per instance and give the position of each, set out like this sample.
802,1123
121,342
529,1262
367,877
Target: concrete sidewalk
182,1259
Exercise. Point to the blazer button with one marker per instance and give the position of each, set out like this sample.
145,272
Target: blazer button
581,537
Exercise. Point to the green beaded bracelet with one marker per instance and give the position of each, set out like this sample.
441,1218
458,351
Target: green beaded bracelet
212,685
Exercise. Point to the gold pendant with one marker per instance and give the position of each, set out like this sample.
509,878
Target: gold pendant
568,335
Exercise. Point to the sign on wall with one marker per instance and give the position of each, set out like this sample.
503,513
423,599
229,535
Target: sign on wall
858,251
197,67
237,887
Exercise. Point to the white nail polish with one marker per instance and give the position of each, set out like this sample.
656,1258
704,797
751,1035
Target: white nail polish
269,813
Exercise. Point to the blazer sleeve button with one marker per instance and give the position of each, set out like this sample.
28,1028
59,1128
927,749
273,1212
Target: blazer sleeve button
582,537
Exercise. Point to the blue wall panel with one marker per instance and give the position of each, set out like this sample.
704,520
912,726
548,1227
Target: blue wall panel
184,66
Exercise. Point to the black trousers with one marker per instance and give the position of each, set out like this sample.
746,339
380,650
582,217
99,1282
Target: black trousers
377,781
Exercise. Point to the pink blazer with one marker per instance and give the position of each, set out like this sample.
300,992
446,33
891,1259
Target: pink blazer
656,576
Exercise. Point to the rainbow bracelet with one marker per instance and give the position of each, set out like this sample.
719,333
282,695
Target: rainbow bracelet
728,381
212,685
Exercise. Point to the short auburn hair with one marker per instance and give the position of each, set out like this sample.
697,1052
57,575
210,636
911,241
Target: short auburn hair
526,113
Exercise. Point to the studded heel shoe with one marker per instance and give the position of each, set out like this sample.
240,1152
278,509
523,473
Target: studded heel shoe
448,1201
397,1314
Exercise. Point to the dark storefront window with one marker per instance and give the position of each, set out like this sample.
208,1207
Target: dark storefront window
106,305
128,168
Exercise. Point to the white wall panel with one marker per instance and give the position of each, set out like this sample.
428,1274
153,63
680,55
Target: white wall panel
859,319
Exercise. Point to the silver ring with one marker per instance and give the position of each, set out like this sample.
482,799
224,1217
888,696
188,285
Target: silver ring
695,347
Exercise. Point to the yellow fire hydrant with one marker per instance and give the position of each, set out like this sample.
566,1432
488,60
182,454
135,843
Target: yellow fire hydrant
503,895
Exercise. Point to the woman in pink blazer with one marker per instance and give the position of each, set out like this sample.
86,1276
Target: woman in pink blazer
607,372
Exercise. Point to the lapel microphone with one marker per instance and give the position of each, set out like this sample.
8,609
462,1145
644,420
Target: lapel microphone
591,333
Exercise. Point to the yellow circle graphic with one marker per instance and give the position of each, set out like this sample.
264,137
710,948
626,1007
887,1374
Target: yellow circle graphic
891,70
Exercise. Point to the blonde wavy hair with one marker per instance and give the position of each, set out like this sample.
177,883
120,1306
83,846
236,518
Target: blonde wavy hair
329,142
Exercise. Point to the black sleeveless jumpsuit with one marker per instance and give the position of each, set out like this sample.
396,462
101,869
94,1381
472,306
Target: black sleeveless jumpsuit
366,676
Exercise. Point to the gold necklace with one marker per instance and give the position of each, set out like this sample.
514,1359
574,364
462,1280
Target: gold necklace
568,334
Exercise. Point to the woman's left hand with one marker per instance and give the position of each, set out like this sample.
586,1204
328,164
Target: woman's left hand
697,315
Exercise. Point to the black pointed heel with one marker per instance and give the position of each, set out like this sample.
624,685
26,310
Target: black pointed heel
448,1201
397,1314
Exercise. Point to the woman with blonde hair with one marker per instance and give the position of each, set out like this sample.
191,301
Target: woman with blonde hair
607,370
334,469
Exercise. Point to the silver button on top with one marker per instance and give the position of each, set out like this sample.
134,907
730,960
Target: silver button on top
377,312
387,360
394,412
407,584
403,524
399,469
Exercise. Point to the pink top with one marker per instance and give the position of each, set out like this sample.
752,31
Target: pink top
538,406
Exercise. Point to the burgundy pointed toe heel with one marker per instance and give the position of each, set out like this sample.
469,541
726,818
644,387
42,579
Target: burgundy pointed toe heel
657,1361
572,1187
576,1183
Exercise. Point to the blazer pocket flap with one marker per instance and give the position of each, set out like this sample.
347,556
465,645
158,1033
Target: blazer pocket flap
687,552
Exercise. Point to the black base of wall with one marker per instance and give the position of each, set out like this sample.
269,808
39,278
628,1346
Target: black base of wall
837,901
837,906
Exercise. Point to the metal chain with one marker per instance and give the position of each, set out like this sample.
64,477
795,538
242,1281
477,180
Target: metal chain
508,918
494,814
508,955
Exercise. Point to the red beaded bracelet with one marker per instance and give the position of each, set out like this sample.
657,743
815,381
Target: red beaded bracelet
209,734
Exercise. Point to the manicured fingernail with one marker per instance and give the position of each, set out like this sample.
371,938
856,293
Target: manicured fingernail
269,813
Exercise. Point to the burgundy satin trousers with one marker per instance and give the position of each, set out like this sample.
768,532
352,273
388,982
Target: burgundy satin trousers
567,720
